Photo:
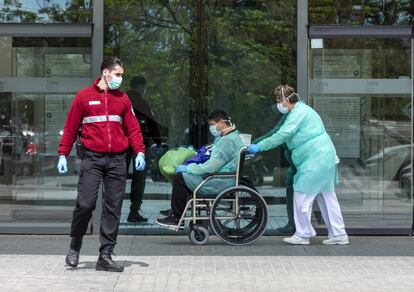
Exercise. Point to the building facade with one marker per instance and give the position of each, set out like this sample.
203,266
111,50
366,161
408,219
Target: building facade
352,61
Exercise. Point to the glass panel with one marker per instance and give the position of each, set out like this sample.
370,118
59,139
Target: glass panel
153,39
196,56
46,11
38,79
251,49
362,90
361,12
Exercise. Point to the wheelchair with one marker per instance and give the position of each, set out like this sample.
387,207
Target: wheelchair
238,215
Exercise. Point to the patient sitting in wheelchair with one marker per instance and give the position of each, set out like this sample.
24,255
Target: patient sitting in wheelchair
223,159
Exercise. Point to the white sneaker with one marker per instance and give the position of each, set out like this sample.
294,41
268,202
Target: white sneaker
341,239
297,240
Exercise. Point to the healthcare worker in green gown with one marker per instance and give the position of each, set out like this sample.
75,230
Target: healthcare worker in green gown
289,228
315,159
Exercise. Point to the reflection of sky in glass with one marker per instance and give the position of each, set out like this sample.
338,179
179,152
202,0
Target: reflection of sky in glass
33,6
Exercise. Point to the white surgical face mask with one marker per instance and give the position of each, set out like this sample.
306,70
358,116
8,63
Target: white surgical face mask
115,82
282,109
214,131
217,133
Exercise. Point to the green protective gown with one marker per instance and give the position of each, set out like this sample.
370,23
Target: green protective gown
224,158
291,170
313,152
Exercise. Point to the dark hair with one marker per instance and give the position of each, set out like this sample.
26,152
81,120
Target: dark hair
137,80
218,115
110,63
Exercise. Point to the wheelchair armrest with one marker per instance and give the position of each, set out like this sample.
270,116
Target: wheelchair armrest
218,174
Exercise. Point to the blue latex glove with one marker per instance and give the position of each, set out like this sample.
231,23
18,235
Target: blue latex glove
140,162
181,168
62,165
253,148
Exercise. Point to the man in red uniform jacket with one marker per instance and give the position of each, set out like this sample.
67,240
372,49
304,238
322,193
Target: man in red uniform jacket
108,125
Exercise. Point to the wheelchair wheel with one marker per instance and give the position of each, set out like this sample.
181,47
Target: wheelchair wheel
239,215
198,235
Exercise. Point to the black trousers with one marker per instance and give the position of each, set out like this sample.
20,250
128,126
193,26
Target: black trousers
180,195
137,183
111,169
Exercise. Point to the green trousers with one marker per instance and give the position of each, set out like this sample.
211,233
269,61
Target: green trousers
289,194
289,186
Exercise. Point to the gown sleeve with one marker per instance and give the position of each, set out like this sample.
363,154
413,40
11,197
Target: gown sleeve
286,131
222,152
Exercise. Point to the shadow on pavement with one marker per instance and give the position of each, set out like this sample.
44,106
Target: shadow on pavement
90,265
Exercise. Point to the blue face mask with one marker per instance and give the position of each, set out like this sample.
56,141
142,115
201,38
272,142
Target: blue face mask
214,131
115,83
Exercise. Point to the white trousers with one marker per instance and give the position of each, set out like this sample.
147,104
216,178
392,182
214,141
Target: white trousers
331,214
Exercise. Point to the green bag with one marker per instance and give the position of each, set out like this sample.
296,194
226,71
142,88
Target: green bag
171,159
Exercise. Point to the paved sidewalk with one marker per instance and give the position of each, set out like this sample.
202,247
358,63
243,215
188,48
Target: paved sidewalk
36,263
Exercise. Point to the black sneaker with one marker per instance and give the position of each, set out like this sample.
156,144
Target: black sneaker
72,258
169,221
106,263
166,213
136,218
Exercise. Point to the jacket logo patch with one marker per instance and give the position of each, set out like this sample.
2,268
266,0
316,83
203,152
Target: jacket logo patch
94,102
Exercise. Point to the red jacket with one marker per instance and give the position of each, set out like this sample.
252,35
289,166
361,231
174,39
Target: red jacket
107,120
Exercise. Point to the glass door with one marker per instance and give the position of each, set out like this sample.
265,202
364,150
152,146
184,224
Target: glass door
155,40
251,48
38,79
362,88
196,56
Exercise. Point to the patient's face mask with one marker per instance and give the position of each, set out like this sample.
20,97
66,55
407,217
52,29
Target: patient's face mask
217,133
214,131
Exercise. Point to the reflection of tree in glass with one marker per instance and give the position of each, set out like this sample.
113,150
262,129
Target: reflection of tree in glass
227,54
74,11
153,38
252,48
362,12
12,12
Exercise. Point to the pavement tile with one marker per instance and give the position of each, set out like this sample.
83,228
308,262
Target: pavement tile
160,263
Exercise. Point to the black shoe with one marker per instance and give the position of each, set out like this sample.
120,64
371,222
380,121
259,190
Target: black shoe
106,263
169,221
288,229
72,258
136,218
166,213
